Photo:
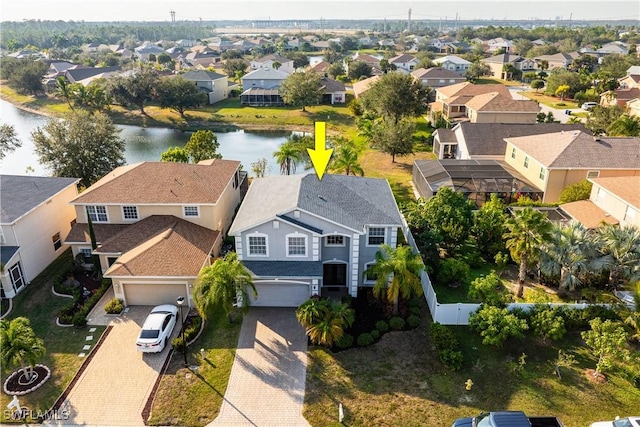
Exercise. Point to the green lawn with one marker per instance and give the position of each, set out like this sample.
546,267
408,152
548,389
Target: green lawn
550,101
399,382
193,398
40,306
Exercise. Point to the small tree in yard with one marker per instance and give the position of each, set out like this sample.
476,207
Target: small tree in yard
537,84
179,94
19,345
496,325
394,139
578,191
175,154
548,323
489,289
203,145
562,91
607,341
302,89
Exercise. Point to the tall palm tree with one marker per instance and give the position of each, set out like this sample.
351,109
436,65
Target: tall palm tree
19,345
622,245
397,272
528,229
570,253
345,158
222,283
286,157
65,90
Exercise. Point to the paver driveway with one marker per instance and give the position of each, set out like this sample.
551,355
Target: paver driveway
267,382
114,388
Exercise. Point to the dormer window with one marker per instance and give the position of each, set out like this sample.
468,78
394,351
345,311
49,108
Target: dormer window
376,236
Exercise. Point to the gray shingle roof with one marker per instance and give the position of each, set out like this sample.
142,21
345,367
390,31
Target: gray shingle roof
201,75
284,268
6,252
487,139
20,194
84,73
350,201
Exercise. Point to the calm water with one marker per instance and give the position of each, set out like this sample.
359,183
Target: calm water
142,144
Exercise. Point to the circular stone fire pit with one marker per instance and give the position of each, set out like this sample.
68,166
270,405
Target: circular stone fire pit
18,384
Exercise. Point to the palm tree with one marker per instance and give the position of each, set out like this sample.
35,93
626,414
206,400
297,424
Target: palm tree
528,229
286,157
324,321
64,89
622,245
397,272
19,345
276,64
570,253
345,158
222,283
624,125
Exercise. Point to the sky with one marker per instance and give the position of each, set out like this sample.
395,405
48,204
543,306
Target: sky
211,10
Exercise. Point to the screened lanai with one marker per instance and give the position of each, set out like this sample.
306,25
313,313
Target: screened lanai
477,179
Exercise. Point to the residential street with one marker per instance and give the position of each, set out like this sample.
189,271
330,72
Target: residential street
558,114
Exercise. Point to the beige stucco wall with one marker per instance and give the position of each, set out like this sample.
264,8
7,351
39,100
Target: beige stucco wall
220,90
532,173
33,233
614,206
114,212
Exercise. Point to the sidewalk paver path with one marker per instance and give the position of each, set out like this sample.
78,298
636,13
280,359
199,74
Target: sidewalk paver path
113,389
267,382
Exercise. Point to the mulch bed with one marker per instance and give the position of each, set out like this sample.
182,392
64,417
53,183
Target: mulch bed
14,386
87,281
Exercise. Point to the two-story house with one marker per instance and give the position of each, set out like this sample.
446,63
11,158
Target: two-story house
34,218
497,63
553,161
156,225
453,63
404,63
213,84
278,62
436,77
613,200
299,236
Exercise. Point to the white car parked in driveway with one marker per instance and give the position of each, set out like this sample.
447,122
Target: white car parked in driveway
157,328
619,422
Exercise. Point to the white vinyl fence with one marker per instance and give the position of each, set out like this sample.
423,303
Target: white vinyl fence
458,313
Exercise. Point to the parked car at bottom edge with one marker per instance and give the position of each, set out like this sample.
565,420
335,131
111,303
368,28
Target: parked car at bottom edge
157,328
619,422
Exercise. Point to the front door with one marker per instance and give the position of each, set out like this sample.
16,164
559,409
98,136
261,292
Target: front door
334,275
17,279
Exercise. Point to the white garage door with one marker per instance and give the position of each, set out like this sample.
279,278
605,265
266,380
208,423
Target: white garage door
148,294
280,294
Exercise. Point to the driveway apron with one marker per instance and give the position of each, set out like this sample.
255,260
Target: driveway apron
113,389
267,382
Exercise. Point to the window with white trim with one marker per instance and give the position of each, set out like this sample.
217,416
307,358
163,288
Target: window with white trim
296,245
86,255
257,245
543,171
513,153
375,236
334,240
629,215
526,162
593,174
130,212
57,242
191,211
369,276
98,213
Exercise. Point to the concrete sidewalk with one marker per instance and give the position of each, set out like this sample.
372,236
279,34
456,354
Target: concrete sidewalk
267,382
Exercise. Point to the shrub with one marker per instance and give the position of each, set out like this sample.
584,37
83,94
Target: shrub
496,325
548,323
413,321
415,311
115,306
192,330
178,344
447,347
396,323
578,191
365,340
414,302
375,334
345,341
79,320
490,290
382,326
452,359
453,270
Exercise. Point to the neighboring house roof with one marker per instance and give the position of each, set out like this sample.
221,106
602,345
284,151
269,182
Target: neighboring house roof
274,58
362,86
452,58
558,57
371,60
321,67
435,73
20,194
504,58
403,58
580,150
496,102
160,245
588,214
446,135
202,75
350,201
470,89
626,188
633,70
162,182
484,139
265,269
266,74
77,74
626,94
7,252
331,85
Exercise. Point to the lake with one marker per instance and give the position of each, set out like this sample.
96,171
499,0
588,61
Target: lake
142,144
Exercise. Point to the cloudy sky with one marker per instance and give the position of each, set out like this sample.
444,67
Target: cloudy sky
158,10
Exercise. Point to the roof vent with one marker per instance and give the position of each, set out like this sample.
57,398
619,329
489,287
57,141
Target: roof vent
322,198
